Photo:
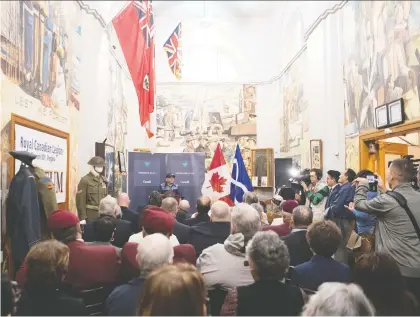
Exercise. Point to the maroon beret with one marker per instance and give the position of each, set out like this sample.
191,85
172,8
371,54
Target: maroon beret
289,205
61,219
156,221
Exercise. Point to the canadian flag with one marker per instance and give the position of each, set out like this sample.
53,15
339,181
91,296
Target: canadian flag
217,180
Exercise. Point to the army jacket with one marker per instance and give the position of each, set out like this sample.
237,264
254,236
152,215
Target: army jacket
90,191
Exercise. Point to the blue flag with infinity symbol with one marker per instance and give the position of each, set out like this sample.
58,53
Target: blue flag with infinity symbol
240,182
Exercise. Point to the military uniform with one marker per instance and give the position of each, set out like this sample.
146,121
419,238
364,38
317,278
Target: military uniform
90,191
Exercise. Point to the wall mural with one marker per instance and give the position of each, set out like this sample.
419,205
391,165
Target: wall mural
195,118
294,139
382,59
352,153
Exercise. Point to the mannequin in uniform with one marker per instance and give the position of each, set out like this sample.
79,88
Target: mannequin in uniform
91,189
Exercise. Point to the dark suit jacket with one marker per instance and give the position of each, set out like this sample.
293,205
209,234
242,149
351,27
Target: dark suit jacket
124,299
122,232
281,230
182,232
200,218
181,216
299,250
332,196
318,270
342,197
206,234
132,217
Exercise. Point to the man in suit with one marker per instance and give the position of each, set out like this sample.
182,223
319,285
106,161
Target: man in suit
182,213
332,182
323,237
203,208
206,234
181,231
296,242
128,214
89,266
339,213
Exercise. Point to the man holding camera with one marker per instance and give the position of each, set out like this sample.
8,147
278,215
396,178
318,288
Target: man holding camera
316,194
398,219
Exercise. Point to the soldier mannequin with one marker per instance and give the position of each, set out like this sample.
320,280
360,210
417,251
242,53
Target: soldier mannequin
91,189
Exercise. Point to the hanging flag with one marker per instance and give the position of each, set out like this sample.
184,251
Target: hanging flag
173,51
240,182
217,179
135,31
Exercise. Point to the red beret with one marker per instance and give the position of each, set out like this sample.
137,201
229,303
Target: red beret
61,219
158,221
289,205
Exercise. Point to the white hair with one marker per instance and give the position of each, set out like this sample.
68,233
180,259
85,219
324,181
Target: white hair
250,198
337,299
184,205
108,206
170,204
245,220
220,211
153,251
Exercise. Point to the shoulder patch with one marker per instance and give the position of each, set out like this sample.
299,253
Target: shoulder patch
45,180
50,186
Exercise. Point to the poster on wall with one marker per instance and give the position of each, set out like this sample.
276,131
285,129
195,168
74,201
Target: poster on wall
51,154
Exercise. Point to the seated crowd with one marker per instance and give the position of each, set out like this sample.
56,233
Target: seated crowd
273,258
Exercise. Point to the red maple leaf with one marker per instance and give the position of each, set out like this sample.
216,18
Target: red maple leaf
217,182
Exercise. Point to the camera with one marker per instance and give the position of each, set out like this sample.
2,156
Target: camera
414,182
303,176
373,183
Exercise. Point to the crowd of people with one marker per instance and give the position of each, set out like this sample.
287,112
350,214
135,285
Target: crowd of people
350,250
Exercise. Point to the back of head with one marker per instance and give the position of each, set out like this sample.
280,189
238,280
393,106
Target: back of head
64,226
154,251
337,299
351,175
245,220
103,228
184,205
302,216
169,193
174,290
108,206
288,205
158,220
123,199
259,208
170,204
324,238
250,198
47,263
155,199
364,173
220,212
268,256
402,170
203,205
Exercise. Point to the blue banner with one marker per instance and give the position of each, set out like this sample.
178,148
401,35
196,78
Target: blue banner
147,171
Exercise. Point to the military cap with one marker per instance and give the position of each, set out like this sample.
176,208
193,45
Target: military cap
334,174
170,175
278,198
61,219
289,205
23,156
97,161
158,220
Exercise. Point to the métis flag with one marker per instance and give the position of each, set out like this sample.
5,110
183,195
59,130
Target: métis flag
240,182
135,31
173,51
217,179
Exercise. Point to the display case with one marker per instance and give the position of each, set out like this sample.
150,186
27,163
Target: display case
262,162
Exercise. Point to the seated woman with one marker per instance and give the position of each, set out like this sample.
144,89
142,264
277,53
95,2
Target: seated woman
174,290
43,293
268,259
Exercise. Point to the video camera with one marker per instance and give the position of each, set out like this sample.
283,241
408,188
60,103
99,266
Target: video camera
302,176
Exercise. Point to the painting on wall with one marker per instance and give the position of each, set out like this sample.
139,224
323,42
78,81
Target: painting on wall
352,153
195,118
381,45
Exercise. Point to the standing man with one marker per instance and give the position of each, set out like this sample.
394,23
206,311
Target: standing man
317,194
91,190
169,185
339,214
332,182
127,213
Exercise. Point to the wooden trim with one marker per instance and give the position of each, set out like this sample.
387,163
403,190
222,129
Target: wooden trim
16,119
270,169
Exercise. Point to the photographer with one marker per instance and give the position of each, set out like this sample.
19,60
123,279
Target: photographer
396,232
316,193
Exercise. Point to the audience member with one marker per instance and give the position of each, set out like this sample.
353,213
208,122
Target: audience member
156,220
381,280
323,237
338,213
203,207
173,290
223,264
250,198
43,294
185,253
395,231
263,216
182,213
296,242
103,232
155,199
283,229
268,260
317,194
153,252
206,234
264,206
181,231
108,208
127,213
273,213
10,293
336,299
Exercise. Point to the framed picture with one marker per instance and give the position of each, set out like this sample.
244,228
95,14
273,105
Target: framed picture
396,112
121,162
254,181
262,162
381,116
316,153
110,168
